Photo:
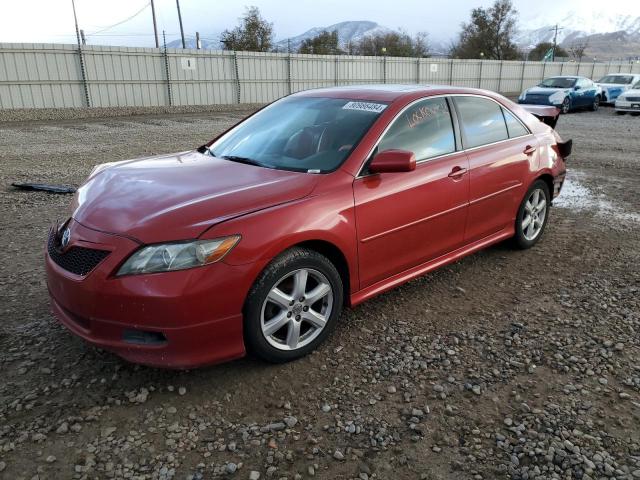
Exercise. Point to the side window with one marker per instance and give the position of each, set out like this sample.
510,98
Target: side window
425,129
514,126
481,120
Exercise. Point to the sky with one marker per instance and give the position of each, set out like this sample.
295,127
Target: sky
52,20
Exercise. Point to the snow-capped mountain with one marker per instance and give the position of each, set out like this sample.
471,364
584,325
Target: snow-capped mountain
347,32
573,26
211,42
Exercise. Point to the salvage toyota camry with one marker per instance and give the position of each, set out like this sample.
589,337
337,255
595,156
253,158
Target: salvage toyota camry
256,240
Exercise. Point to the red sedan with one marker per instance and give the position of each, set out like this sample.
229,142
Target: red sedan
322,199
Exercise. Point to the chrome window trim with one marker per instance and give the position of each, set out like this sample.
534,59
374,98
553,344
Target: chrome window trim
462,150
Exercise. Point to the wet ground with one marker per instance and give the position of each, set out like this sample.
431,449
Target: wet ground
507,364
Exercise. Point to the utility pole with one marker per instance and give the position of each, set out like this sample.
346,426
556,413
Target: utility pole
75,19
184,45
198,40
155,26
555,43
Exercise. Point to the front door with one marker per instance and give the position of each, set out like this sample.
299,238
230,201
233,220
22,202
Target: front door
405,219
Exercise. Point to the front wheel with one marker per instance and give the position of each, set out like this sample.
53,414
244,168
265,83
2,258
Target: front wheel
596,103
566,105
293,306
620,112
532,215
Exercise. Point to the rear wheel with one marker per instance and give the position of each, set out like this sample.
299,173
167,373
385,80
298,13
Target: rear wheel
293,306
596,103
532,215
566,105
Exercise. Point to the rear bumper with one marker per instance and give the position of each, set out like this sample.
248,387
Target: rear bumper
195,315
558,182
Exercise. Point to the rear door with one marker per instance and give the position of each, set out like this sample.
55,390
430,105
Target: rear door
502,152
405,219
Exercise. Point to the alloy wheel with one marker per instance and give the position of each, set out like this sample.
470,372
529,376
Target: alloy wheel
566,105
535,212
296,309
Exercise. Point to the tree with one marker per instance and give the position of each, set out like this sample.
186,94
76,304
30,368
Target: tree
489,34
325,43
394,44
542,48
253,34
577,50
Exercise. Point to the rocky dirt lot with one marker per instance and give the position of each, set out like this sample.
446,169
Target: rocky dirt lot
508,364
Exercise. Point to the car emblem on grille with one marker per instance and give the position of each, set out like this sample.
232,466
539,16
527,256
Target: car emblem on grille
66,236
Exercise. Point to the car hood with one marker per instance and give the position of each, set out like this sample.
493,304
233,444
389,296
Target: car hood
546,91
632,92
179,196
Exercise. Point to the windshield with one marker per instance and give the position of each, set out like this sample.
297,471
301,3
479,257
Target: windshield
306,134
636,86
559,82
620,79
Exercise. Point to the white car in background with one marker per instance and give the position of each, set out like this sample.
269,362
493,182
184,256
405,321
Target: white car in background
629,101
614,84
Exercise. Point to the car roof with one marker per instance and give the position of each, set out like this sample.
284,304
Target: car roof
385,92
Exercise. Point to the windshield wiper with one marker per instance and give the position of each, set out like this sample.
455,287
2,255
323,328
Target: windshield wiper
245,160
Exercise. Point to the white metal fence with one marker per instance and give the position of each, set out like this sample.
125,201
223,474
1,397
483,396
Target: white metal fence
58,76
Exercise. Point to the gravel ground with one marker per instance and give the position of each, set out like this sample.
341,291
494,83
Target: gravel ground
507,364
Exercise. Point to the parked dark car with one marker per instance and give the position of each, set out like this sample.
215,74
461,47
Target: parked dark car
568,93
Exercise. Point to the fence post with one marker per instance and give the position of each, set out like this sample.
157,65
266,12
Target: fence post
83,74
237,74
544,69
524,64
384,69
500,77
451,72
480,76
288,73
166,69
561,68
336,73
418,70
593,69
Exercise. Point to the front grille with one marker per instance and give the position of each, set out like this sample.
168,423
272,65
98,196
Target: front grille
633,99
538,98
78,260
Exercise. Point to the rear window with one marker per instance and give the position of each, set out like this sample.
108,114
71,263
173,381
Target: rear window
482,121
514,126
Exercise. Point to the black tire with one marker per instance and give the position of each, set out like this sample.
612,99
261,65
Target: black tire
620,112
634,114
520,240
566,105
596,103
289,261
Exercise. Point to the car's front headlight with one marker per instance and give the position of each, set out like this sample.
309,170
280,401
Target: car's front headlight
557,97
166,257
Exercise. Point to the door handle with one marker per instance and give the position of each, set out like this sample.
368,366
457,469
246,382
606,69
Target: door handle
529,150
457,172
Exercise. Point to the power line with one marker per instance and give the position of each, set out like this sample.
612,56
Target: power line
123,21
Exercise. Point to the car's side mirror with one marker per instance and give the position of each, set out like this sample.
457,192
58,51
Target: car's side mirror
576,87
393,161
